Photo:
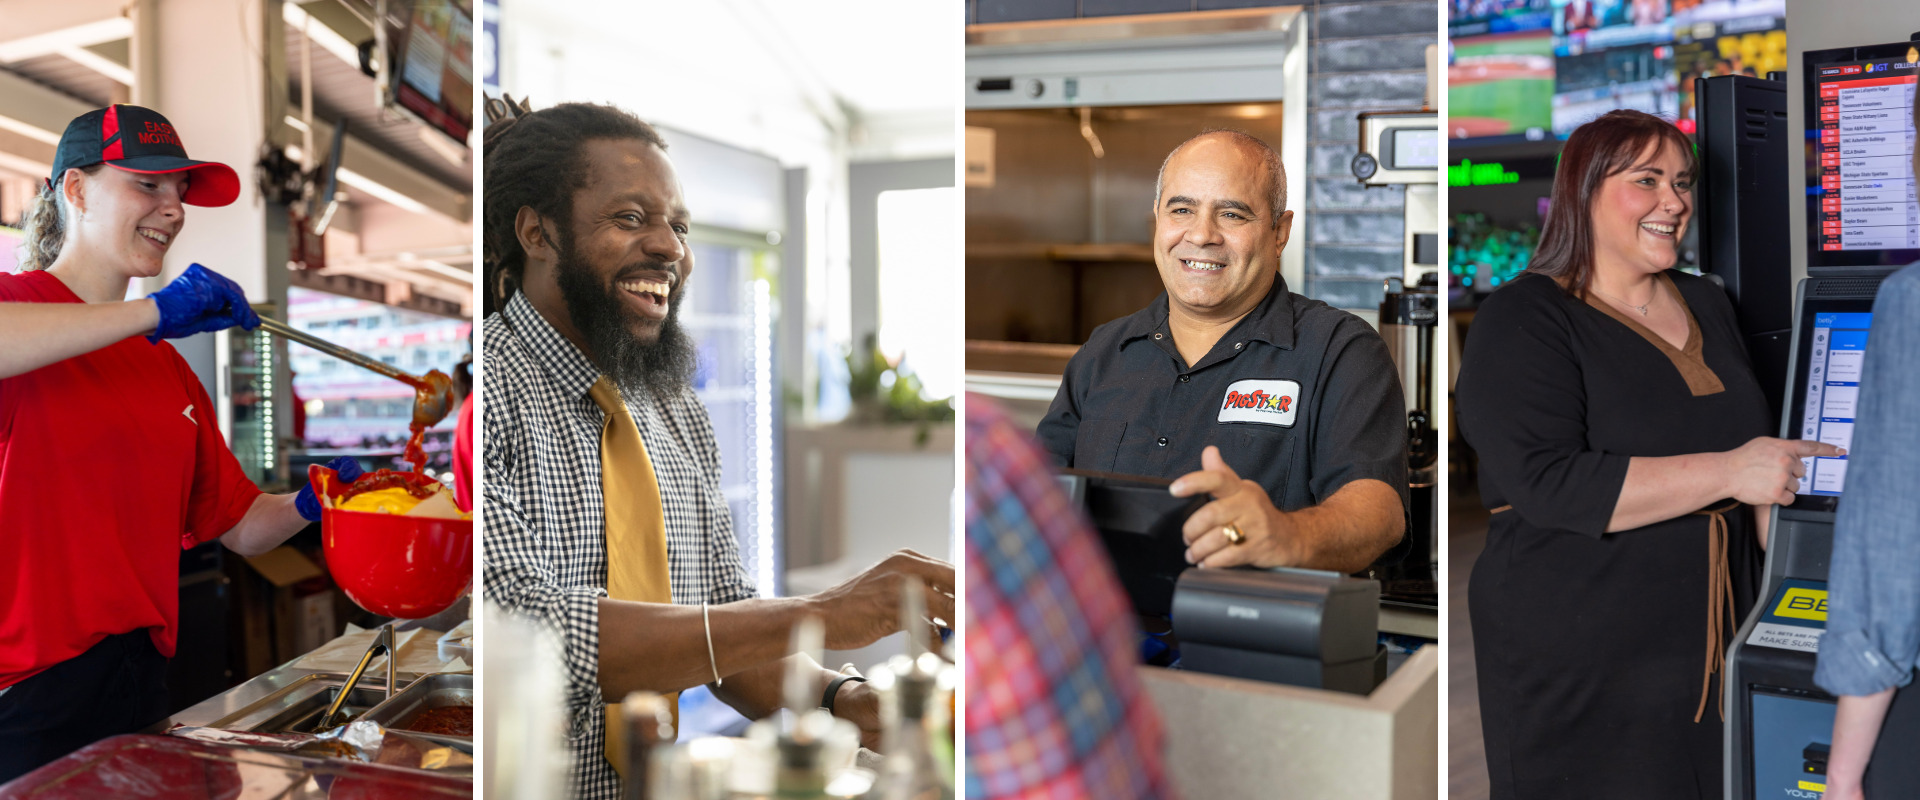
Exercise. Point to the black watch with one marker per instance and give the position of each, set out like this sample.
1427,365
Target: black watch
833,688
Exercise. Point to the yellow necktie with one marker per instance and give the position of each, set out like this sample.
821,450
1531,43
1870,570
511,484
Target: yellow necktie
636,533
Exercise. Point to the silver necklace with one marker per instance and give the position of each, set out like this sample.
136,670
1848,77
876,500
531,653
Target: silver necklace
1642,308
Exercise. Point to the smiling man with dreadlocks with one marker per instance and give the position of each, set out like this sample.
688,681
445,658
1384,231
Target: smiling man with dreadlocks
601,475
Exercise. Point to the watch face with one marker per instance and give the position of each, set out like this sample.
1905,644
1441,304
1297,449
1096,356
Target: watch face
1364,166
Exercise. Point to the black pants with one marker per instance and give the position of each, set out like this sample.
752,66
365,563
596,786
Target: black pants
118,686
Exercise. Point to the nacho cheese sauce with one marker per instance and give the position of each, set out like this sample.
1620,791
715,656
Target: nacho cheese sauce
381,501
384,491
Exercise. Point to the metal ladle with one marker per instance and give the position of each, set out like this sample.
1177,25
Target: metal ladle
433,393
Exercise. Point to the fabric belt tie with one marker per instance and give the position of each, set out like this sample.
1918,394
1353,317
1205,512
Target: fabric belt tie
1719,604
1719,601
636,533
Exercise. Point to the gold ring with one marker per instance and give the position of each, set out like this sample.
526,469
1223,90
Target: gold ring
1234,536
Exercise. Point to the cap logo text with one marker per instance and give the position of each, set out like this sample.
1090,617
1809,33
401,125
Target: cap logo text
159,133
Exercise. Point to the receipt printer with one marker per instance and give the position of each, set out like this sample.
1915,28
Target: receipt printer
1299,627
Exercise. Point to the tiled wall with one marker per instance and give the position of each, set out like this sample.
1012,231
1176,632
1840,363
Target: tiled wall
1367,55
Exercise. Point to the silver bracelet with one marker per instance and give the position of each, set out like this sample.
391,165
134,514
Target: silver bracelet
711,661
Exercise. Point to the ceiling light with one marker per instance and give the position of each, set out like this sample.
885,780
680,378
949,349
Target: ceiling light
372,187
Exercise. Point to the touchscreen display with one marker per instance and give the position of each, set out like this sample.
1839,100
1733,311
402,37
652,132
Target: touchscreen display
1416,148
1832,391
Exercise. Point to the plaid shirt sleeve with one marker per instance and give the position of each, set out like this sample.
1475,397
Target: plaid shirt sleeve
1054,707
520,563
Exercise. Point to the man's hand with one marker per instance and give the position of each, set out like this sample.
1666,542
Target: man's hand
1269,539
855,702
867,607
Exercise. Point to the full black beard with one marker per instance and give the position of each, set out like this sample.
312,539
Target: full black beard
663,366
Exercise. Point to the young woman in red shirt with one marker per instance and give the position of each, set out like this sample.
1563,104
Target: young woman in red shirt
111,458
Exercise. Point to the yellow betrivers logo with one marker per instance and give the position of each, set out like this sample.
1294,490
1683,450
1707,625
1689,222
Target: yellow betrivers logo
1810,786
1803,604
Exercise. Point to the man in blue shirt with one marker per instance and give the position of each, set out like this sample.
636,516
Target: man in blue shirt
1873,629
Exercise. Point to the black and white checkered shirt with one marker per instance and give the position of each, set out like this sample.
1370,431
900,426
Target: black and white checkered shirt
545,537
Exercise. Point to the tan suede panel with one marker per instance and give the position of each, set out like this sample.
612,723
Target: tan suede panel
1690,360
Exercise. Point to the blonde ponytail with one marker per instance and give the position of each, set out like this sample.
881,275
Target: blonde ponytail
46,226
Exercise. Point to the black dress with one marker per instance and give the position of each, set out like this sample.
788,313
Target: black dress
1591,646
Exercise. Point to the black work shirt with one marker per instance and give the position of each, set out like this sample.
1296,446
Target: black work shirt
1299,396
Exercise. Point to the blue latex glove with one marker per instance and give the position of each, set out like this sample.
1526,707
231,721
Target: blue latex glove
198,301
308,504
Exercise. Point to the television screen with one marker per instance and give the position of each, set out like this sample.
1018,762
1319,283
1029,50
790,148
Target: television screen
433,56
1527,69
1752,47
1500,85
1588,84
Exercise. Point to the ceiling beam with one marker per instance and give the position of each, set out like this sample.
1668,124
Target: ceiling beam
35,111
53,27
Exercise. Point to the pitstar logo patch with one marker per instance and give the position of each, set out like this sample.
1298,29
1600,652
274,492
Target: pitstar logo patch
1269,402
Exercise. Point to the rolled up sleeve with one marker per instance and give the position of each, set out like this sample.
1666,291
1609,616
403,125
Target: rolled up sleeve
1873,623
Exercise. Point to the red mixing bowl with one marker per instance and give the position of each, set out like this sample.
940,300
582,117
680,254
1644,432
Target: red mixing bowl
393,565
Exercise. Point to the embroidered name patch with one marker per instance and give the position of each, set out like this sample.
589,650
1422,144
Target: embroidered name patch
1269,402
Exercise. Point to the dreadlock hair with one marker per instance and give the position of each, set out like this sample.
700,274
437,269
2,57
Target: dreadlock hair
49,216
536,160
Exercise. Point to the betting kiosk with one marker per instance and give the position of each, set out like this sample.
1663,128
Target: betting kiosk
1863,223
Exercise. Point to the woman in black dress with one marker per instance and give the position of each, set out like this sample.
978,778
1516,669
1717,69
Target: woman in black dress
1623,450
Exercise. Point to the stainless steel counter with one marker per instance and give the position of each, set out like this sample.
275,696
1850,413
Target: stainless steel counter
282,682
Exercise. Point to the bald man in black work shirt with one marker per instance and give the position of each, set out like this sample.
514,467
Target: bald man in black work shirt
1287,411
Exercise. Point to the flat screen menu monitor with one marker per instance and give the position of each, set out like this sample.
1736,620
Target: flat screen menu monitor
433,56
1833,346
1861,209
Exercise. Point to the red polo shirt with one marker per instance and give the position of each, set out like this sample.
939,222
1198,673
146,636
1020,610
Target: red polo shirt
110,463
463,456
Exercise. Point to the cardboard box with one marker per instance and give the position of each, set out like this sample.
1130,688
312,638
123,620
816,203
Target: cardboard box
287,609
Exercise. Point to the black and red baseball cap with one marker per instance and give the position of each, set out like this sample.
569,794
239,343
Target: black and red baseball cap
138,139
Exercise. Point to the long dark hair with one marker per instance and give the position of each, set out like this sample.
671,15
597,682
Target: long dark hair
1597,150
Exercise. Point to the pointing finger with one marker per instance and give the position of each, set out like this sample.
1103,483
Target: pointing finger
1808,447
